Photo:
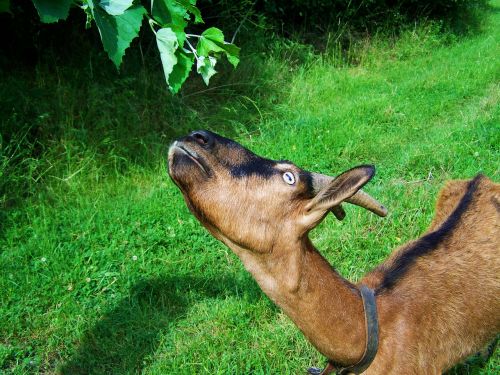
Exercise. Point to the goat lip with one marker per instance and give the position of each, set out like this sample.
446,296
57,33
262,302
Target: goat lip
193,155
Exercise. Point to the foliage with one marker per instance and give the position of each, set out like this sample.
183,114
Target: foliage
52,11
4,5
119,22
361,15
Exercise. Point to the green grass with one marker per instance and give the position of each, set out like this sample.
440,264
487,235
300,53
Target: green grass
103,268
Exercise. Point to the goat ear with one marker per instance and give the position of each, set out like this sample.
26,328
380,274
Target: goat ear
341,188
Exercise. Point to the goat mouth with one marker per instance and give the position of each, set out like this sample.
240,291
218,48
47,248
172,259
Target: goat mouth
192,155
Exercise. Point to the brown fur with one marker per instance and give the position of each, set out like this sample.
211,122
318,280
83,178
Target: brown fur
448,304
444,308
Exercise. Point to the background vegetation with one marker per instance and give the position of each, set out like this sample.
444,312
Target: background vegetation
103,269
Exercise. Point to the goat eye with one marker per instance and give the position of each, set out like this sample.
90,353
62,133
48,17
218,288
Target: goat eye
289,178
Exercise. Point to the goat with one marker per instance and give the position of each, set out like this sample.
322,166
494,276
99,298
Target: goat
437,298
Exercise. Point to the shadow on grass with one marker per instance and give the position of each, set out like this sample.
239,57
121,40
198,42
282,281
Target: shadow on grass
124,337
121,340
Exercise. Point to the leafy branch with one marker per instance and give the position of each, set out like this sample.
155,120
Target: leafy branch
119,22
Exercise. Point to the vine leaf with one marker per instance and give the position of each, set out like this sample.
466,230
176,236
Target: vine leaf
209,41
212,41
119,22
176,63
232,54
189,5
167,43
117,32
206,67
115,7
181,70
179,31
52,11
169,12
175,12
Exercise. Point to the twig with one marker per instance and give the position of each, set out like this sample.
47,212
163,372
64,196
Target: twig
215,88
242,22
192,49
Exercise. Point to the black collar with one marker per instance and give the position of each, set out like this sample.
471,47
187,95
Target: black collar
371,326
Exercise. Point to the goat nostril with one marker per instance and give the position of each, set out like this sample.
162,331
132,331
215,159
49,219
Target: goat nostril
201,137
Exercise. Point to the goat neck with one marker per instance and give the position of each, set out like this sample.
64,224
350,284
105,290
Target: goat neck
327,308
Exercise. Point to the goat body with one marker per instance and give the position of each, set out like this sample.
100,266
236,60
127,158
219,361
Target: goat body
447,305
438,297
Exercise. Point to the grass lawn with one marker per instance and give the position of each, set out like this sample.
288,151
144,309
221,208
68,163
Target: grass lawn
103,270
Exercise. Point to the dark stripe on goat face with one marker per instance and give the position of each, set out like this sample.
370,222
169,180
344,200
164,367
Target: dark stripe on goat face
225,141
307,179
257,166
426,244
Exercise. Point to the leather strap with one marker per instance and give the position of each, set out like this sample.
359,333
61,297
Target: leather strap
371,327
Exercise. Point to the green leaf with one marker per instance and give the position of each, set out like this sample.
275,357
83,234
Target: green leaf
51,10
212,41
4,6
179,32
176,63
175,12
206,67
214,33
88,14
117,32
208,41
169,12
181,70
234,60
190,7
115,7
167,43
232,53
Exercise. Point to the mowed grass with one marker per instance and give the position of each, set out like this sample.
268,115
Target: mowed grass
104,270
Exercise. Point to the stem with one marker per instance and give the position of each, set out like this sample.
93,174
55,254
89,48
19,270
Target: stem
192,48
150,23
218,87
242,22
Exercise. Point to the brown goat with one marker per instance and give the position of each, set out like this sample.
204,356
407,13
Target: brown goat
438,297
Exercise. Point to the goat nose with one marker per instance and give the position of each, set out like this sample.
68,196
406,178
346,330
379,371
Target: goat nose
202,137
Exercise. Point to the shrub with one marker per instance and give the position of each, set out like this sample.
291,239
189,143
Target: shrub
361,14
